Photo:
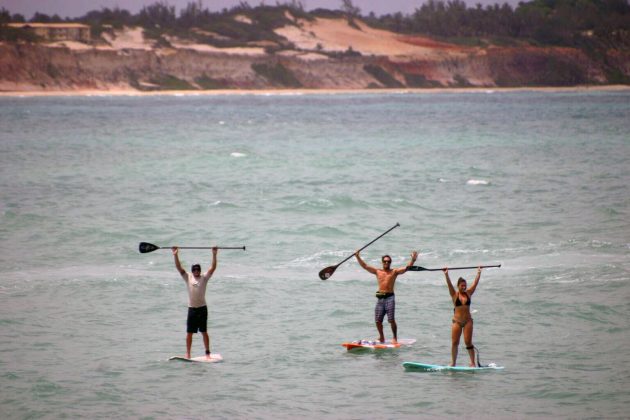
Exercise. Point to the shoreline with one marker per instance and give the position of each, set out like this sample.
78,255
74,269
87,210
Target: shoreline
288,92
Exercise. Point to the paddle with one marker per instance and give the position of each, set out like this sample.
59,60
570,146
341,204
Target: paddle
418,268
328,271
147,247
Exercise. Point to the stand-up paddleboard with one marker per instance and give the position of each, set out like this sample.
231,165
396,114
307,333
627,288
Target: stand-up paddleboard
377,345
214,358
425,367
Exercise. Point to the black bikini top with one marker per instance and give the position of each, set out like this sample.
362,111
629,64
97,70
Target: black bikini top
459,302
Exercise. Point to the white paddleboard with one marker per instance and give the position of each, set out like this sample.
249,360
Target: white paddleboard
214,358
425,367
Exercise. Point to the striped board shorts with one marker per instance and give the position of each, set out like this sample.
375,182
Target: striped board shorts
385,305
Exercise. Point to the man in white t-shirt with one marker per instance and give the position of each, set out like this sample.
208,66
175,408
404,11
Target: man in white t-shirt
197,310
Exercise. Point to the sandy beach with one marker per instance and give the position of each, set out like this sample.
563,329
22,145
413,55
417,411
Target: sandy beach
269,92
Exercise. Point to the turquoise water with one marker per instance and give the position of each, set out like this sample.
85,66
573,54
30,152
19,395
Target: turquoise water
536,181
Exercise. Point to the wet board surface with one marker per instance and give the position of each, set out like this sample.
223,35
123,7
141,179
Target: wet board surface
426,367
377,345
214,358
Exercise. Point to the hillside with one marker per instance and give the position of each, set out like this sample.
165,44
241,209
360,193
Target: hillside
314,53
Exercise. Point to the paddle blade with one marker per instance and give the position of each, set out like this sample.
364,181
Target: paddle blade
417,268
327,272
145,247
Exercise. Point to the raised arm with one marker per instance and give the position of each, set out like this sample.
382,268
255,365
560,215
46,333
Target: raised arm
414,256
213,267
451,289
362,263
178,265
472,288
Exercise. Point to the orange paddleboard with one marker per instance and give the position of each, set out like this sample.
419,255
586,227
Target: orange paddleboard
377,345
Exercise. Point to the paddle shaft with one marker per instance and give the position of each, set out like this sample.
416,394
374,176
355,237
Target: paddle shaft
418,268
205,247
370,243
145,247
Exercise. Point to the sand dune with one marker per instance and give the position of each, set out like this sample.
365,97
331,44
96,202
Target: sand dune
337,35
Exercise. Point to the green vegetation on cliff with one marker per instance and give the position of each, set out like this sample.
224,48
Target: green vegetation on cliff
537,43
585,24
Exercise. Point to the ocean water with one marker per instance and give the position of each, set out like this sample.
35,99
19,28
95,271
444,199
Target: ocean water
536,181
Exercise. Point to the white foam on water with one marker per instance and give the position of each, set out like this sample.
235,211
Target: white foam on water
477,182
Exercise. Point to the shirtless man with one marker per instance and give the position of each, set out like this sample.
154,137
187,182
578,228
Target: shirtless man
386,302
197,309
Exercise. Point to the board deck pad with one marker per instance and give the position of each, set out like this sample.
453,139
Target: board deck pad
426,367
377,345
214,358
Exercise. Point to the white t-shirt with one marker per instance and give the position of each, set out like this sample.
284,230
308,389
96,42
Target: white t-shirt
196,289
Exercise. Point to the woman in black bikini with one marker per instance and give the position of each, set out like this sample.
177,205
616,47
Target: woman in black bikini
462,321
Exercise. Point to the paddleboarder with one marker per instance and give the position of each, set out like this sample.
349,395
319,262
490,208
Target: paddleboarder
386,301
197,309
462,321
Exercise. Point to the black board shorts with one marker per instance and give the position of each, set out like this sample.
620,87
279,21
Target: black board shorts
197,320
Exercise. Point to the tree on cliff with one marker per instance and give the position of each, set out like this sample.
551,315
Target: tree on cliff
193,15
350,9
586,24
159,14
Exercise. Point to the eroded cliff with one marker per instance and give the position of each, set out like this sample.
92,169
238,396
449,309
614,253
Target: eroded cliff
372,59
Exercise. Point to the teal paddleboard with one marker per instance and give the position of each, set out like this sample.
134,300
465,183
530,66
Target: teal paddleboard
425,367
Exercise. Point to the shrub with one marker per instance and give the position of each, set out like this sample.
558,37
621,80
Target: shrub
382,76
169,82
277,75
419,81
206,82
